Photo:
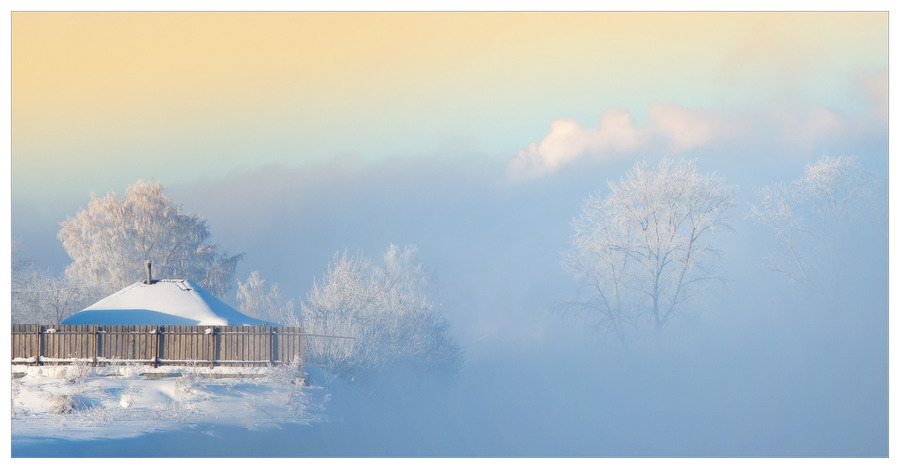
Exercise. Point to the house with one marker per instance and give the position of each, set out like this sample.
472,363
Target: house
172,302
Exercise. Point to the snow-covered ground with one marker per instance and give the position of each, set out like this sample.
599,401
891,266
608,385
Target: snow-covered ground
744,392
175,412
64,408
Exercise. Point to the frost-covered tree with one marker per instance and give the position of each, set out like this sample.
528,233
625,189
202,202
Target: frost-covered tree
816,219
110,241
409,326
50,299
39,297
255,300
333,310
646,246
21,285
367,317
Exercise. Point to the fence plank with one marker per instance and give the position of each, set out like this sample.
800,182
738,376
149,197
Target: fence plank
226,346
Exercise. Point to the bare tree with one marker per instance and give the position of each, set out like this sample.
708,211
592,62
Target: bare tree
644,248
813,218
21,270
368,317
111,239
39,297
56,298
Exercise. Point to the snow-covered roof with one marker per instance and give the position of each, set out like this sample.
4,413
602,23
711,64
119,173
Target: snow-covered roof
162,302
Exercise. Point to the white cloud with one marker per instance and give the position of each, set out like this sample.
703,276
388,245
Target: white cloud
671,130
795,126
568,141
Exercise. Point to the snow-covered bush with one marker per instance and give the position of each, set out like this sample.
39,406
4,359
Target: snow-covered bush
63,403
296,402
77,372
189,383
129,396
289,373
95,415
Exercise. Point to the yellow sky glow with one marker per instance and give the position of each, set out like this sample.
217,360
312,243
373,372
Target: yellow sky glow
88,85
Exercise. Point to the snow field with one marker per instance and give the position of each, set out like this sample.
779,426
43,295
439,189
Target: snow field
83,402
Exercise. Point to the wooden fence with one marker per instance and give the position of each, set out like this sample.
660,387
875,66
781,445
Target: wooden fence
211,346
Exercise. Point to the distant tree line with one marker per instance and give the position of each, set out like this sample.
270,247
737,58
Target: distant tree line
643,249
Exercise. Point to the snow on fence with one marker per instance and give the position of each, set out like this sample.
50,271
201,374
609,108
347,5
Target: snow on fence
158,345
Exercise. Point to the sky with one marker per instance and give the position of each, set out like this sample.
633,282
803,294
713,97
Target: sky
476,137
101,99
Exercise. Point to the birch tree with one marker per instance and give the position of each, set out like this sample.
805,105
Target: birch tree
110,241
646,247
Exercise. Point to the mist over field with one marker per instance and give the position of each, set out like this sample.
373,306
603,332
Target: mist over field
759,366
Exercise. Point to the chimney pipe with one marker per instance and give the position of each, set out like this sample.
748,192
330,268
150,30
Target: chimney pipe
149,278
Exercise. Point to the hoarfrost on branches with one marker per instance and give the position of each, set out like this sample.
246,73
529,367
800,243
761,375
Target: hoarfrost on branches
110,241
255,300
817,218
362,316
40,297
644,248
